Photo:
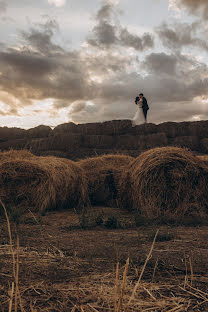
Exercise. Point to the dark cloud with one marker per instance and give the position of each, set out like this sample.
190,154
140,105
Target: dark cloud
181,35
105,12
108,32
77,106
40,69
160,63
39,39
3,6
127,39
195,6
104,34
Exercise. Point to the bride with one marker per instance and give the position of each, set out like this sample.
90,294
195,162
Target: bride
139,116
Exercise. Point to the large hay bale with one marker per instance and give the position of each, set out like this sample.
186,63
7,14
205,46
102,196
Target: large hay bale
130,142
190,142
15,154
11,133
17,144
156,140
204,145
147,128
165,181
62,143
38,132
98,141
198,128
103,173
42,183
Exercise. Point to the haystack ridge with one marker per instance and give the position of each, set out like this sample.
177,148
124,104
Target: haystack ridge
166,181
15,154
42,183
103,173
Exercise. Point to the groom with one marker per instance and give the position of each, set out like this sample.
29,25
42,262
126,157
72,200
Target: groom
145,106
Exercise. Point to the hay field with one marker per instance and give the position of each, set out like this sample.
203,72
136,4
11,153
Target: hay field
104,258
60,266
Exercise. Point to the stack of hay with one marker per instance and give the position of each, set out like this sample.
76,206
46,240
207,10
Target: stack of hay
167,181
103,174
41,183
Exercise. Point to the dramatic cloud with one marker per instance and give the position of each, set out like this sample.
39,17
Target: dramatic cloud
100,80
109,32
171,84
193,6
40,40
40,69
160,63
177,77
3,6
180,35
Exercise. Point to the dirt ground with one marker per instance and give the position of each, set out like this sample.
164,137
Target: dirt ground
69,263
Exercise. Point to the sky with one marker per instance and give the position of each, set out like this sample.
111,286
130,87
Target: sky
86,60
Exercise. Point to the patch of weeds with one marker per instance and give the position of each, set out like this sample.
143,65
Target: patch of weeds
70,228
99,219
14,216
32,221
84,221
13,213
4,241
191,221
140,220
112,223
161,237
44,213
171,221
127,225
194,221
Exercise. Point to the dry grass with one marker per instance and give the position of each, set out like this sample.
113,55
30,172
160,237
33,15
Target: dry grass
42,183
103,173
120,290
15,154
204,158
166,181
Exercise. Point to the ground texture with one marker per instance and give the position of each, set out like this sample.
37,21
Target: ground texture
81,263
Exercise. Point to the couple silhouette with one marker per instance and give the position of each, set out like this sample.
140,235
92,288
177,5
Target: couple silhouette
141,113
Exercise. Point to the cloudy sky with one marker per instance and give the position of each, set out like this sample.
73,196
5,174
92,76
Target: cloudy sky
86,60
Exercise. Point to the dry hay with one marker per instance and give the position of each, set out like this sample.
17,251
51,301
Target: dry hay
42,183
15,154
167,181
103,173
204,158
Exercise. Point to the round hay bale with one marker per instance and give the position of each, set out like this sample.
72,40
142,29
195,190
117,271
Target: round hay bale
166,181
42,183
103,173
15,154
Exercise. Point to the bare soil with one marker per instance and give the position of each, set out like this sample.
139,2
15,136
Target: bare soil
66,263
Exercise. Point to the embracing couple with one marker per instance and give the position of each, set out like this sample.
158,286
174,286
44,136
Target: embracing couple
141,114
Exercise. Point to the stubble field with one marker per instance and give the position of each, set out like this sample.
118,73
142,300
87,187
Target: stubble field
105,260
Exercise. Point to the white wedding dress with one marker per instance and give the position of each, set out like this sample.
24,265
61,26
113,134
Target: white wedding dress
139,116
